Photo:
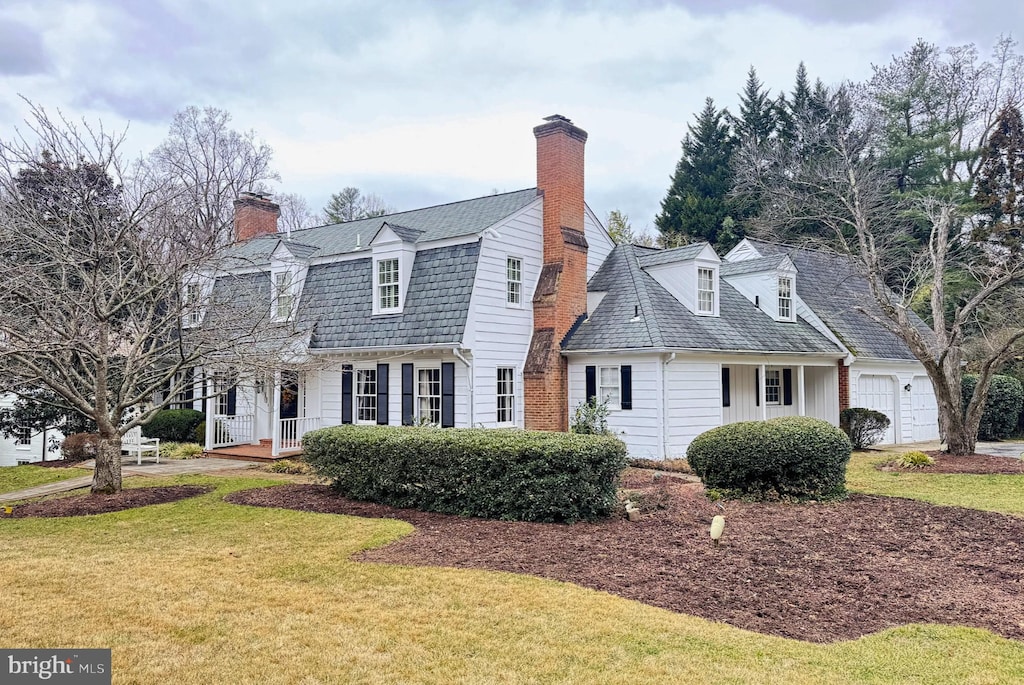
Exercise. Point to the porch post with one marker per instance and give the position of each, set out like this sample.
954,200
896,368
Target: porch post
275,416
801,404
211,422
764,395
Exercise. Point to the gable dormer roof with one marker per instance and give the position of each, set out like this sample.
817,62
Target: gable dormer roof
758,265
296,249
677,254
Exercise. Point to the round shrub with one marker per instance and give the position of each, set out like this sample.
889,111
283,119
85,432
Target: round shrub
863,426
173,425
80,446
792,457
1002,406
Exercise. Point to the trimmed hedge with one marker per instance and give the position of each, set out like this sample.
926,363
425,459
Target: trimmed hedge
80,446
1002,406
791,457
173,425
501,474
863,426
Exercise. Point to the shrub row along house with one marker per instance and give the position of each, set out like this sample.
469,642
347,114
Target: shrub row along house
511,310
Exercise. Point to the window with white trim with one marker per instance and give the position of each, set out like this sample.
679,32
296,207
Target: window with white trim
192,302
506,395
284,297
220,389
772,386
514,274
366,395
22,436
428,396
705,290
786,298
387,285
608,385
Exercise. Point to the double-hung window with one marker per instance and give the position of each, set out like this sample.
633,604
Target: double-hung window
428,396
283,295
506,395
705,290
514,274
192,304
785,298
772,387
366,395
608,386
220,389
387,285
22,436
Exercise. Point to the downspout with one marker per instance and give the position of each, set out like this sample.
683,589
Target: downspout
663,410
469,366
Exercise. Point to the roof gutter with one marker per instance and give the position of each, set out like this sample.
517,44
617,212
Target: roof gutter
389,348
699,350
663,408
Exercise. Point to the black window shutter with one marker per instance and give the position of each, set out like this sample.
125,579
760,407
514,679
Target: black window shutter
232,400
591,384
726,400
757,387
407,395
447,394
190,379
787,386
346,393
382,394
626,388
165,390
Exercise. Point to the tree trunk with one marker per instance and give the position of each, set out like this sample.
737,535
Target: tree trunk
106,478
960,440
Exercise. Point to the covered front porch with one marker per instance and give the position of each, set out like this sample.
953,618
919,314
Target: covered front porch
259,418
761,391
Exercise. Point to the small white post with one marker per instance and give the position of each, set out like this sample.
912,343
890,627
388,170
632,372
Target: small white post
801,405
275,416
211,421
763,394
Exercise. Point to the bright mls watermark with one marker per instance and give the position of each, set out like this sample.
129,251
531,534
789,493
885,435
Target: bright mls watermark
77,666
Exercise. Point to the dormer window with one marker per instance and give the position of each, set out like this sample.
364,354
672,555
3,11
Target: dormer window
284,297
514,290
705,290
786,299
388,291
191,304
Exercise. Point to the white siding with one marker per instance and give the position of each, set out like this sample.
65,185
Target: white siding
822,384
637,427
598,241
11,454
694,402
498,334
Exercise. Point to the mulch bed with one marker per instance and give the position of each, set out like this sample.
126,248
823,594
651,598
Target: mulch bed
57,463
978,464
83,505
816,572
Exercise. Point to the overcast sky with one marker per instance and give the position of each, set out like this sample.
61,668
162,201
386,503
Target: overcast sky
431,102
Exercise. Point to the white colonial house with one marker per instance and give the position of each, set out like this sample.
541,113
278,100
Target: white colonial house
27,446
512,309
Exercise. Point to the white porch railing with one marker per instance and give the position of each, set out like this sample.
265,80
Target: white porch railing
233,430
292,431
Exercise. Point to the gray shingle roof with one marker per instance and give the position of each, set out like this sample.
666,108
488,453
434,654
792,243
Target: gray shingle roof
665,323
434,223
834,289
676,254
300,250
751,266
337,298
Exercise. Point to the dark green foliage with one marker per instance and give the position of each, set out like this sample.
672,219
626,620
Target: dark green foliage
792,457
501,474
1002,406
864,427
696,203
43,411
1000,189
80,446
175,425
590,418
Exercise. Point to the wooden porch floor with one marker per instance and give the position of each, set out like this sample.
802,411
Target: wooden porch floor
259,453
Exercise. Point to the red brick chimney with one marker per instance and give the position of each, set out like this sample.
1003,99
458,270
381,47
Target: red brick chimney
255,215
560,299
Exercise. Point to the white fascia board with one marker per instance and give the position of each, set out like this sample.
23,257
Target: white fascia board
826,358
389,348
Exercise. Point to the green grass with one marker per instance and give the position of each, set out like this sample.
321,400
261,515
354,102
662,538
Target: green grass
26,476
1004,494
201,591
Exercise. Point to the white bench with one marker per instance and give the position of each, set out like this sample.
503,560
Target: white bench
132,442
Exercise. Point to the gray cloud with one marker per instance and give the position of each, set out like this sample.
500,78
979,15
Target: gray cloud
21,50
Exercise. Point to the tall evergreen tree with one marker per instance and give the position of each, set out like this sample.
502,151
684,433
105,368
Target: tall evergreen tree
758,116
1000,188
696,203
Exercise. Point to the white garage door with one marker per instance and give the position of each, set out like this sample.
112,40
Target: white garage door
878,393
926,412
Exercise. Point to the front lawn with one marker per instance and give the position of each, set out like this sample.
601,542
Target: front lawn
26,476
1003,494
202,591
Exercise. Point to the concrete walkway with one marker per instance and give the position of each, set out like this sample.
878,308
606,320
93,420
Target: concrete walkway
177,467
1010,448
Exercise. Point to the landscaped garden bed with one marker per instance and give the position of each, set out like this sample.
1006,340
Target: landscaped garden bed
980,464
816,572
82,505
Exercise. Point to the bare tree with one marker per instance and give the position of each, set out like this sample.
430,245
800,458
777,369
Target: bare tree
848,189
296,212
209,165
104,298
